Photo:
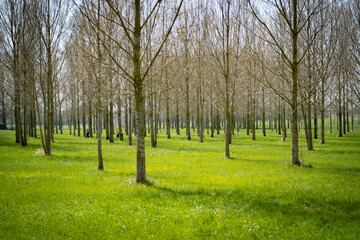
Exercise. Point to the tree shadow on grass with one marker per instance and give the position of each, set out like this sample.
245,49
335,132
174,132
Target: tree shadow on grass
292,206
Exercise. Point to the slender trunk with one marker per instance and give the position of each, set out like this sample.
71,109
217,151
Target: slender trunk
121,135
167,111
83,111
78,114
331,121
253,117
305,123
151,120
315,117
107,127
263,114
284,124
212,119
24,138
111,139
130,122
98,84
248,118
279,117
126,117
344,111
339,110
352,117
322,110
156,120
34,122
3,108
347,110
294,103
309,130
177,121
90,119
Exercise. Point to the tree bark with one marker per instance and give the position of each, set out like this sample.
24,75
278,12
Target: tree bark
294,106
111,137
98,84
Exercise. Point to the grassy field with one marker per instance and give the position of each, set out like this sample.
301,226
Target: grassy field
196,193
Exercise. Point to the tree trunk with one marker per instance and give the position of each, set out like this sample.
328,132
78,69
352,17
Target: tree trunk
253,117
322,110
78,114
344,111
98,105
107,127
217,123
284,124
294,94
111,139
305,124
126,117
139,99
90,119
151,120
248,117
121,135
83,110
279,117
167,111
157,109
263,114
130,122
212,119
177,123
340,109
3,109
309,130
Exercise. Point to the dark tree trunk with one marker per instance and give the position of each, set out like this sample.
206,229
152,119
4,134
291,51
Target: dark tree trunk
284,124
305,124
309,131
167,114
177,121
34,123
126,117
157,109
90,119
3,106
151,120
263,114
78,115
83,111
344,111
294,94
340,111
279,117
322,110
107,127
217,123
130,122
139,100
121,135
212,119
248,118
98,85
315,117
111,137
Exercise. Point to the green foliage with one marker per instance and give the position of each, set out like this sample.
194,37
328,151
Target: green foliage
193,191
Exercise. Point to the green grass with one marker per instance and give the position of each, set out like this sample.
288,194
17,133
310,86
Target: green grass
196,193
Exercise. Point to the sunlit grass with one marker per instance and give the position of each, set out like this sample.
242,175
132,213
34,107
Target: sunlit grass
195,192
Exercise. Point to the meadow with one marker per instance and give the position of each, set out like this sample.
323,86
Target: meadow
194,191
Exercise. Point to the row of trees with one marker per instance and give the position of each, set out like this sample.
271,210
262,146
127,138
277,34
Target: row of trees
205,65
